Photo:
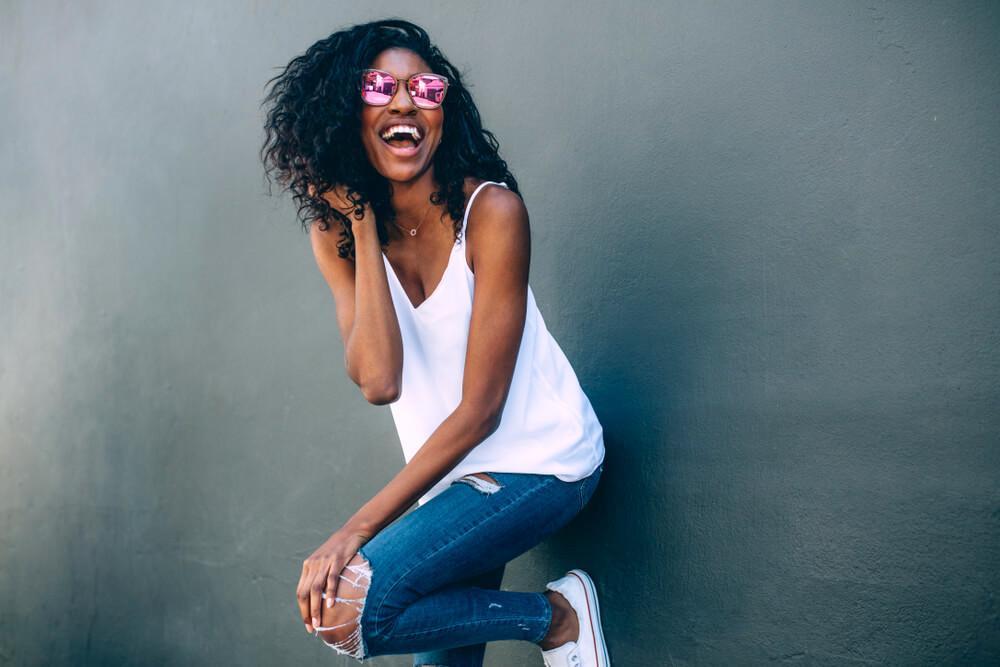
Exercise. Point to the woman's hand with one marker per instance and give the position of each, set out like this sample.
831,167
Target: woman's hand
321,573
336,197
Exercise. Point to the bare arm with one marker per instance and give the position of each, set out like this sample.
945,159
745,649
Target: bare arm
502,250
373,347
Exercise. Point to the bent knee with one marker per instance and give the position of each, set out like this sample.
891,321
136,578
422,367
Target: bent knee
341,623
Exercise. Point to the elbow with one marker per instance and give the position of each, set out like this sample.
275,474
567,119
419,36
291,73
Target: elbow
491,424
377,389
486,420
381,393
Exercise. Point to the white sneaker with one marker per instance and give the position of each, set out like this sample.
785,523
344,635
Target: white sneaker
589,650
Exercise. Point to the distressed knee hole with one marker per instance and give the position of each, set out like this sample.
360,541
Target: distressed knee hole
341,628
481,481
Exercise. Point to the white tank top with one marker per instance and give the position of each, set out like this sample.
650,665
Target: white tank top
548,424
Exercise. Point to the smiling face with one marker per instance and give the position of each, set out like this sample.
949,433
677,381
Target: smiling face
400,159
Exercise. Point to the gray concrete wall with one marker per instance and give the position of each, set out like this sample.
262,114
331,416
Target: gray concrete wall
773,264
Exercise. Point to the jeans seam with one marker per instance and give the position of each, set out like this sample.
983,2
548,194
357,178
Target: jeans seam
378,610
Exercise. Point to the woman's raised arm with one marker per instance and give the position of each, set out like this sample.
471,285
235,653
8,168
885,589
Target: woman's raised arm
373,347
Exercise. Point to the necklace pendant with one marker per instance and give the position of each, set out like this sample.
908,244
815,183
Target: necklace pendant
413,232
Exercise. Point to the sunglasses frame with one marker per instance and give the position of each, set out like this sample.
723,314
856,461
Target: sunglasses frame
396,83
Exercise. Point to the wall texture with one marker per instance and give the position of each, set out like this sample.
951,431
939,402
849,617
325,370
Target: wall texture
765,234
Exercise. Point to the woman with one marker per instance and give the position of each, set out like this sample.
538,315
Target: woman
380,143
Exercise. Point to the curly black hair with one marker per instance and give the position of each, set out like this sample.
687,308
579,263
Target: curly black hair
313,124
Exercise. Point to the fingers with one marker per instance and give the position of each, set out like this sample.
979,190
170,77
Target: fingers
337,198
320,578
302,597
316,590
309,593
332,580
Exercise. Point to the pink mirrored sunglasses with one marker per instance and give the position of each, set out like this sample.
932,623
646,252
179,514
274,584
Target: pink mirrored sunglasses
426,90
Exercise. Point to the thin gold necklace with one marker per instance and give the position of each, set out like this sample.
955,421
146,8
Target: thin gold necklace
413,232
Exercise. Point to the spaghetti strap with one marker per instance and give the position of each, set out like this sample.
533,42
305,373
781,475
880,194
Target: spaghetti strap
468,206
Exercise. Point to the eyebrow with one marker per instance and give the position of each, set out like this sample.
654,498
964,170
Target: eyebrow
396,76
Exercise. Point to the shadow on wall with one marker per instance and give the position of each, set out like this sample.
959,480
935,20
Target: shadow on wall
678,534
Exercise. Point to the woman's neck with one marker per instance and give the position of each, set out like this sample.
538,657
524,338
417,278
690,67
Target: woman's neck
411,200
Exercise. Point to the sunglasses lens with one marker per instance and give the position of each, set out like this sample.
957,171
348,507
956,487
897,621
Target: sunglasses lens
427,91
377,88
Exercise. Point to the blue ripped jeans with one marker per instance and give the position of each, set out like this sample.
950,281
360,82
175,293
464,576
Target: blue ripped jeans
433,576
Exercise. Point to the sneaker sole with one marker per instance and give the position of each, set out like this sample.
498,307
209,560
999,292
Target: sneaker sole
594,616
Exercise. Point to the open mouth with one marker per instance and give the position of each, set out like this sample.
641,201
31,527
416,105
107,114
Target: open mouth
402,139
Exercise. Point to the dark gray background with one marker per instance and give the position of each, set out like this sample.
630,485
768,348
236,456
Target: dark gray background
765,234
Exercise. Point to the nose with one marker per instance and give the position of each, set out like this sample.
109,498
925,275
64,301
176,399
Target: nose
401,102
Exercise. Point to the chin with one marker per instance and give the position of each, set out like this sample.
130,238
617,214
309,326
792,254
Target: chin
402,172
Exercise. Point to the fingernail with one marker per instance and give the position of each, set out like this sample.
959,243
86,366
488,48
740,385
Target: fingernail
308,629
329,602
315,621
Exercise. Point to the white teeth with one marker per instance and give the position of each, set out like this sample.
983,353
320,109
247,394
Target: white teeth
413,130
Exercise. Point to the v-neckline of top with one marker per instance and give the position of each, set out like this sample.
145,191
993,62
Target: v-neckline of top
451,254
437,287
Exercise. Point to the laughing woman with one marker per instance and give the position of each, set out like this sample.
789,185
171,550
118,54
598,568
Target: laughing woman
419,229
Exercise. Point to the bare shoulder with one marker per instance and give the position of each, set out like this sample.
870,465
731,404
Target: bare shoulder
471,183
494,203
498,221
